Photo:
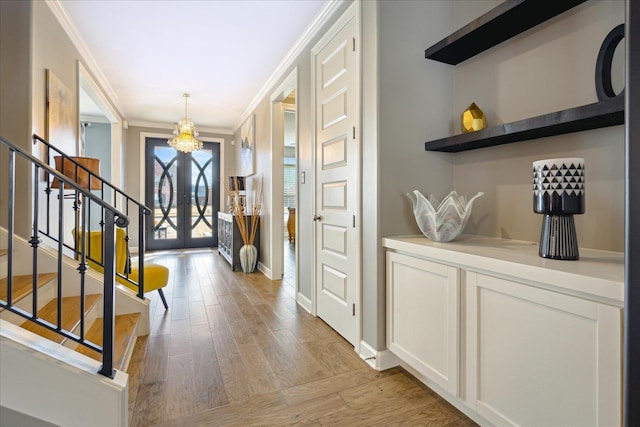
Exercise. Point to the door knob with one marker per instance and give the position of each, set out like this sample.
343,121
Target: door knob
317,217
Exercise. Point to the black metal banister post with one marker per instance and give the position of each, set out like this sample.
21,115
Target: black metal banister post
60,248
11,218
48,190
35,241
109,296
142,220
82,268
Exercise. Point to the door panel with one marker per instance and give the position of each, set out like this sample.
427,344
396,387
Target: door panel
183,191
336,182
164,204
204,188
334,153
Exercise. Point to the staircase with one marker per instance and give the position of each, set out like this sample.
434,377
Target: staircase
126,325
55,312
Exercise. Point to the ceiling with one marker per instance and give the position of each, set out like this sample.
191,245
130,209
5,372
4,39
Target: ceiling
221,52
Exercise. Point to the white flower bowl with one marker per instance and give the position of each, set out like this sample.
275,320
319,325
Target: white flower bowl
446,222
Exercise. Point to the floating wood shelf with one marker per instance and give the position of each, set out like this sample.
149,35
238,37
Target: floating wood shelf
499,24
609,112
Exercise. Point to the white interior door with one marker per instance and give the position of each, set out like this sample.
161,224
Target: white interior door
337,260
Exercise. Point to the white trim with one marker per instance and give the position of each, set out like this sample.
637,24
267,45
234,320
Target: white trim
276,248
265,270
172,126
378,360
312,30
454,400
94,119
88,85
304,302
353,12
141,165
67,24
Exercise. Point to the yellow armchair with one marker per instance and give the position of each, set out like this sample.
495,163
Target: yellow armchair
156,276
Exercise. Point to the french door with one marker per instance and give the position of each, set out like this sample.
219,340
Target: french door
183,192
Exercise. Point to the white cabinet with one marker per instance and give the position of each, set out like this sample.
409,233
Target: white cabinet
423,312
509,338
540,358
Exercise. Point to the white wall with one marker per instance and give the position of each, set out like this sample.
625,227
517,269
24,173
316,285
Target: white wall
98,145
15,105
415,103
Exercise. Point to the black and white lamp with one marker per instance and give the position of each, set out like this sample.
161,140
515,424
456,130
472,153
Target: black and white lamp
558,193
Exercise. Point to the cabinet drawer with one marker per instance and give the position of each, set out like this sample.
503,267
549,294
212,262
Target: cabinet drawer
423,317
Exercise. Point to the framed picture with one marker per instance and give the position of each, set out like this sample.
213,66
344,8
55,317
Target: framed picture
60,115
247,147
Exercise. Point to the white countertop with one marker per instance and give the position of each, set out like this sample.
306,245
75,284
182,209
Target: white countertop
598,275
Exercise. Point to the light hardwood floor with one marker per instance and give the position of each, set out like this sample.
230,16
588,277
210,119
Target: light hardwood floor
235,349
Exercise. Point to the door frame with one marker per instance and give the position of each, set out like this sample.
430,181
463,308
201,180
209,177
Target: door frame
183,185
352,12
87,84
278,107
143,148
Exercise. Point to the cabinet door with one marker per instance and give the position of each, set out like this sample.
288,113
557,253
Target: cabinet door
423,317
540,358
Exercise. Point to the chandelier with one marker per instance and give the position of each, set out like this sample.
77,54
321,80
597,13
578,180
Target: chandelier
186,133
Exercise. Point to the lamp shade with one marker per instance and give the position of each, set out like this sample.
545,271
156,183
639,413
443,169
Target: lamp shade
77,173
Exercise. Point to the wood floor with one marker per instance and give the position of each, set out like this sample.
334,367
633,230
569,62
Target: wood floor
235,349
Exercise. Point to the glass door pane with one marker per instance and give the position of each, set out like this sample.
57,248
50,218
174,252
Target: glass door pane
204,196
165,196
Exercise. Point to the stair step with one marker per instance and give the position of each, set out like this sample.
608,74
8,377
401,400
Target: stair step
70,316
23,285
125,338
4,252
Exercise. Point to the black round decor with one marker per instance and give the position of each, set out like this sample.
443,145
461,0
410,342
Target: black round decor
604,89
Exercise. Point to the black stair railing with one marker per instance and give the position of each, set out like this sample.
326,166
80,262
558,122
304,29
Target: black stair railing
112,217
108,193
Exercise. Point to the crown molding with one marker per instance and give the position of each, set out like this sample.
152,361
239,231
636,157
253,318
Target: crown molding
94,119
63,18
172,126
312,30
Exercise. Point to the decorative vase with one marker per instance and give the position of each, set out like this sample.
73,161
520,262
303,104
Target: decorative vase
248,258
443,221
558,193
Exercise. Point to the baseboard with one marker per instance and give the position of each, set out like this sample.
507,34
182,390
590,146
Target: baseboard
265,270
304,302
378,360
453,400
